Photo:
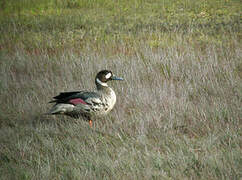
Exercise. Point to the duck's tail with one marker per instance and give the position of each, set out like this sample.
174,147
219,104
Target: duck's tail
60,109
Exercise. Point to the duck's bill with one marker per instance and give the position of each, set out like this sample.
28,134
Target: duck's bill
117,78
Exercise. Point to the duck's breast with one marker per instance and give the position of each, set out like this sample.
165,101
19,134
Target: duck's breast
110,100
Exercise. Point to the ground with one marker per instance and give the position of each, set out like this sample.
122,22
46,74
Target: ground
178,112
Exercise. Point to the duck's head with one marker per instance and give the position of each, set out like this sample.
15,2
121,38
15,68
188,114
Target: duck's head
104,76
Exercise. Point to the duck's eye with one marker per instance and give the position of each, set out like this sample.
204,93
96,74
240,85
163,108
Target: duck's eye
107,76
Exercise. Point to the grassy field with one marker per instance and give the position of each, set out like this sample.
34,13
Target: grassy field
178,113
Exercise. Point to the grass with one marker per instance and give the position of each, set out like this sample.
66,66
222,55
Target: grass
178,112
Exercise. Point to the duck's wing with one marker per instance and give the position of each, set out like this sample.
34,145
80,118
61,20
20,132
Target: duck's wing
77,97
64,95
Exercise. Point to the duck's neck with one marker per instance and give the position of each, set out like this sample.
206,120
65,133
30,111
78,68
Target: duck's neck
101,86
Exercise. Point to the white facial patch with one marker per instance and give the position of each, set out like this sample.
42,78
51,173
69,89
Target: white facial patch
101,83
108,75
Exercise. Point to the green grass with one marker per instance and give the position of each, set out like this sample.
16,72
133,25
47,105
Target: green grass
178,112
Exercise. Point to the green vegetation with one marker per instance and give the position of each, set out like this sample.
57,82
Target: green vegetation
58,25
178,114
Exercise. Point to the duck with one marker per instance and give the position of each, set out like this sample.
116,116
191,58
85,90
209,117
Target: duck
87,104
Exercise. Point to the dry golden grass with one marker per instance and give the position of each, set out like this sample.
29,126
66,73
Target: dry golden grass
178,116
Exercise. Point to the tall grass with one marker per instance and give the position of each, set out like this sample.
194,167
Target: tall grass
178,112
